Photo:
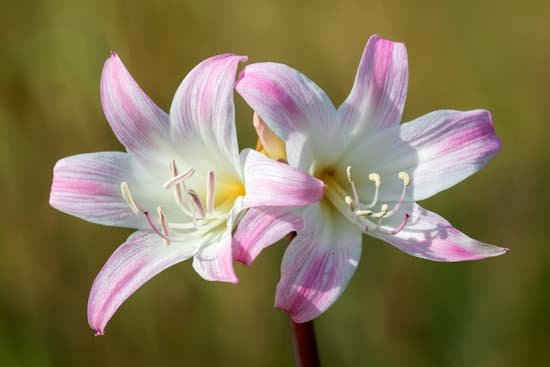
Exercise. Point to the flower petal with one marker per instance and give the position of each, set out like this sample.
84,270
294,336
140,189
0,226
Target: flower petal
437,150
378,95
88,186
140,258
215,261
291,104
135,119
203,112
272,183
429,236
262,227
318,264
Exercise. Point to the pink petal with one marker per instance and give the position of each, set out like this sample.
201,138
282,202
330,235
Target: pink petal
437,150
378,95
272,183
140,258
260,228
318,264
88,186
450,146
429,236
215,261
291,104
137,122
203,113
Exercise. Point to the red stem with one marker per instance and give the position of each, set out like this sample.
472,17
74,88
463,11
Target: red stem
306,353
305,345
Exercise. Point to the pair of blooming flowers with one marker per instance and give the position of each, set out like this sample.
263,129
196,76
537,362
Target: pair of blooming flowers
351,170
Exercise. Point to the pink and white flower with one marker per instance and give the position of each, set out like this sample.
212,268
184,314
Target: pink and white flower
374,168
181,184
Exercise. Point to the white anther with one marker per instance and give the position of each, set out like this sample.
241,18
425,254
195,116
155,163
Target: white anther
210,191
404,176
179,178
163,224
383,211
197,203
364,213
375,177
127,196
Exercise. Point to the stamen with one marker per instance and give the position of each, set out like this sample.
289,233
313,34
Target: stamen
382,213
127,196
210,191
401,226
163,224
179,178
403,176
196,202
364,213
153,227
353,188
178,196
375,177
349,203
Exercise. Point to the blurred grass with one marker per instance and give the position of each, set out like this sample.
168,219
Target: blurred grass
398,310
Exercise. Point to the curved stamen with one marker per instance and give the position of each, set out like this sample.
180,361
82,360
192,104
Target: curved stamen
128,198
163,224
375,177
210,191
401,226
403,176
179,178
353,188
178,196
153,227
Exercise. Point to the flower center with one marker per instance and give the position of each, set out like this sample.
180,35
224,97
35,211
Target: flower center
202,213
352,207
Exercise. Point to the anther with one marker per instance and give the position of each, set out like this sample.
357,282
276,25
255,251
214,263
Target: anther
349,203
382,213
364,213
210,191
163,224
353,187
375,177
178,195
401,226
179,178
127,196
404,176
197,203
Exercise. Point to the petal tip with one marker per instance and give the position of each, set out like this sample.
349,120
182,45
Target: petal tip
99,333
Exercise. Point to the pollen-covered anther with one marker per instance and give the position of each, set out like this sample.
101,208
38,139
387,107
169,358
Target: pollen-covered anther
353,187
404,176
382,213
349,203
128,198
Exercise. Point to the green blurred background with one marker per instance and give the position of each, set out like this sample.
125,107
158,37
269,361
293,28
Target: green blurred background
398,310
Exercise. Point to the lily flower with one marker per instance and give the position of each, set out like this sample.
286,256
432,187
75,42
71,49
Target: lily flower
181,184
375,170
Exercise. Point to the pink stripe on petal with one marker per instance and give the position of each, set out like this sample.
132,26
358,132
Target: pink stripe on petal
203,114
378,95
262,227
135,119
429,236
139,259
88,186
272,183
215,261
318,264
